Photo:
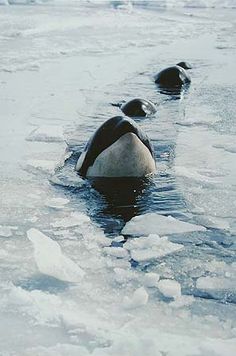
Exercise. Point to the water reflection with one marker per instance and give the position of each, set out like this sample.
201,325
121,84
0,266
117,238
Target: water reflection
174,92
124,196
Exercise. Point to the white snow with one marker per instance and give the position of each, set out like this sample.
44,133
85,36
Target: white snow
127,5
47,133
50,259
193,174
124,275
137,300
169,288
153,223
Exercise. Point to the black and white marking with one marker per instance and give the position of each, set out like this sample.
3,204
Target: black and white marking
119,148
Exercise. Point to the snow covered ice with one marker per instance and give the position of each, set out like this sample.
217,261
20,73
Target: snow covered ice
151,271
47,134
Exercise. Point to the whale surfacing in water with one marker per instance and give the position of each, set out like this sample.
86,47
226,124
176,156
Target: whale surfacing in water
138,108
119,148
173,79
174,76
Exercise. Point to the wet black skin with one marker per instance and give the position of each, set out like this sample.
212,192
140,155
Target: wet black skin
138,108
172,77
184,65
172,80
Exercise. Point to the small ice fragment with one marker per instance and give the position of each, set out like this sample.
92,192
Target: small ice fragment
151,279
138,299
169,288
47,133
75,219
119,238
50,259
57,203
118,252
153,223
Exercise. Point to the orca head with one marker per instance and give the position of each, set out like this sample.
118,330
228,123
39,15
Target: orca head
138,108
172,80
119,148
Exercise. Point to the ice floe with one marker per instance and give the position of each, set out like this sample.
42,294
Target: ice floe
50,259
153,223
144,249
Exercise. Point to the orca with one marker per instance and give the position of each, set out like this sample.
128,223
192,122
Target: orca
173,77
119,148
138,108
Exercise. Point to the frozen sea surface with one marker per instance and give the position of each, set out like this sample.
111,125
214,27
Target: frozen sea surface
117,269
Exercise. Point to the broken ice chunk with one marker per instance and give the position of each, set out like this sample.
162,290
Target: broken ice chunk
169,288
50,259
151,247
153,223
138,299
